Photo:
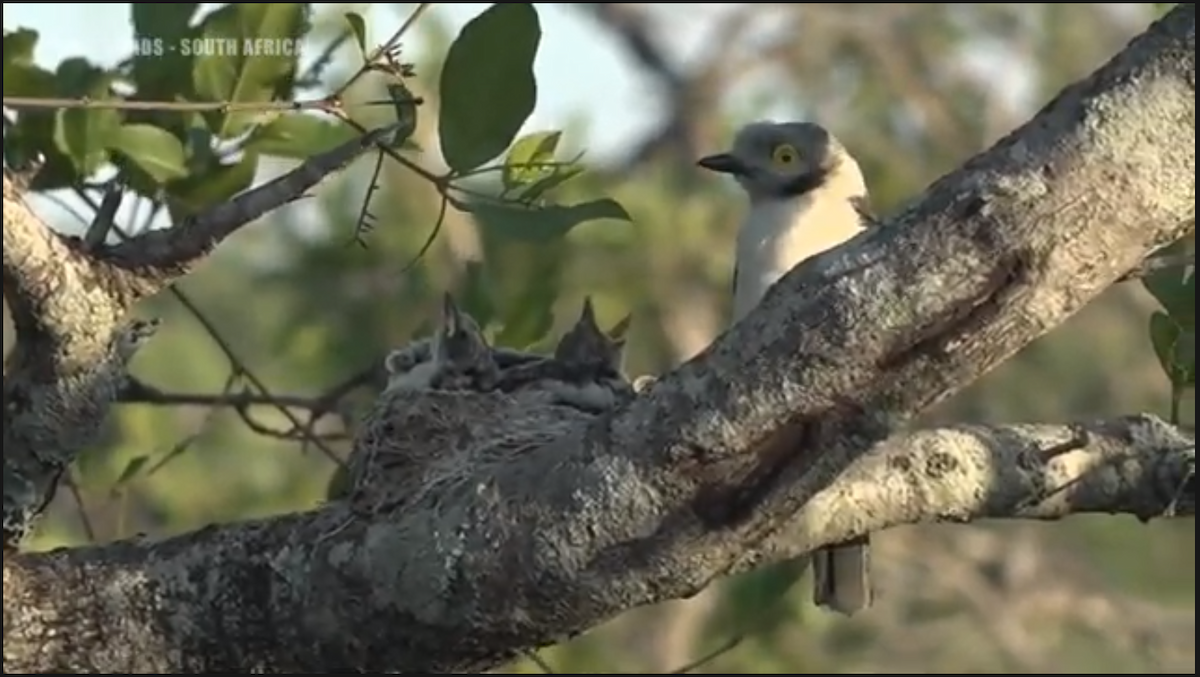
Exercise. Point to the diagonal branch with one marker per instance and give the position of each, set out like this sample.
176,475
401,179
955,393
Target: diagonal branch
415,584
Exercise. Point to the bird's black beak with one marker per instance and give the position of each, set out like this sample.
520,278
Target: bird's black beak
723,163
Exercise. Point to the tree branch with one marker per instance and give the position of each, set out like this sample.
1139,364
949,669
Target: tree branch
241,581
70,305
523,541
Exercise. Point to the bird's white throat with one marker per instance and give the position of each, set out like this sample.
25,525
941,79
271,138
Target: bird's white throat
780,233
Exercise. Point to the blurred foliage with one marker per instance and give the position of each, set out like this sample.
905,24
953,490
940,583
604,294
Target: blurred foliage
913,89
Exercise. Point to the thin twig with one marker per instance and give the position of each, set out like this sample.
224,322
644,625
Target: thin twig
541,663
139,392
36,103
382,50
85,522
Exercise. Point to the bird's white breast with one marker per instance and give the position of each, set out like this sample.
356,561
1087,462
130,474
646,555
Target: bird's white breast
778,234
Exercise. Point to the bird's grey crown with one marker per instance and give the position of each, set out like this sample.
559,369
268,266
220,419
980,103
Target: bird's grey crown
819,156
759,139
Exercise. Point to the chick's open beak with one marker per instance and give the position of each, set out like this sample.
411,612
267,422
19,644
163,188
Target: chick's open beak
724,163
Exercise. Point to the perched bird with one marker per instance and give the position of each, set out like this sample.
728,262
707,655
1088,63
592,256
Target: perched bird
585,370
457,358
807,195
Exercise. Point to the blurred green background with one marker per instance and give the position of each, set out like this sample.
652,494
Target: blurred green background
304,309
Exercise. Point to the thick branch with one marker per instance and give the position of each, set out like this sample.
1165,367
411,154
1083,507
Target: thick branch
51,287
319,594
68,361
1138,466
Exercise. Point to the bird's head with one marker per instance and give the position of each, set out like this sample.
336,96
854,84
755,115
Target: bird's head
783,160
587,346
459,342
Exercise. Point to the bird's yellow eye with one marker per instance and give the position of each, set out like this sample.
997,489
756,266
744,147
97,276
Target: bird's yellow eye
785,155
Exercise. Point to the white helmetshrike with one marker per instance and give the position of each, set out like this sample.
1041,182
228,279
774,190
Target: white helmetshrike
807,195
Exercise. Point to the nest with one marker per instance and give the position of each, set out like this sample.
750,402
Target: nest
415,441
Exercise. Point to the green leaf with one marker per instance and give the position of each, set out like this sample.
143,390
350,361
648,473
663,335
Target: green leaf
214,184
132,468
1175,348
1175,288
162,19
258,63
156,151
198,148
23,77
29,81
487,87
161,62
84,136
529,160
299,136
359,28
77,77
540,224
562,174
19,46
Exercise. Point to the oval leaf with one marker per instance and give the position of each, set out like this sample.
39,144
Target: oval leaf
551,222
160,61
22,77
487,88
26,80
529,160
358,28
299,136
19,46
84,134
1175,349
156,151
248,57
1175,288
562,174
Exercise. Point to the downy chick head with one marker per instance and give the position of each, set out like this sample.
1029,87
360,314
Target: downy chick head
587,346
783,160
460,348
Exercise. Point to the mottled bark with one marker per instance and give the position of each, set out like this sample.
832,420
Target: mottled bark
70,304
699,476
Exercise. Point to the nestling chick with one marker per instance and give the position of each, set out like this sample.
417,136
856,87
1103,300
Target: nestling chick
459,357
585,371
586,346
